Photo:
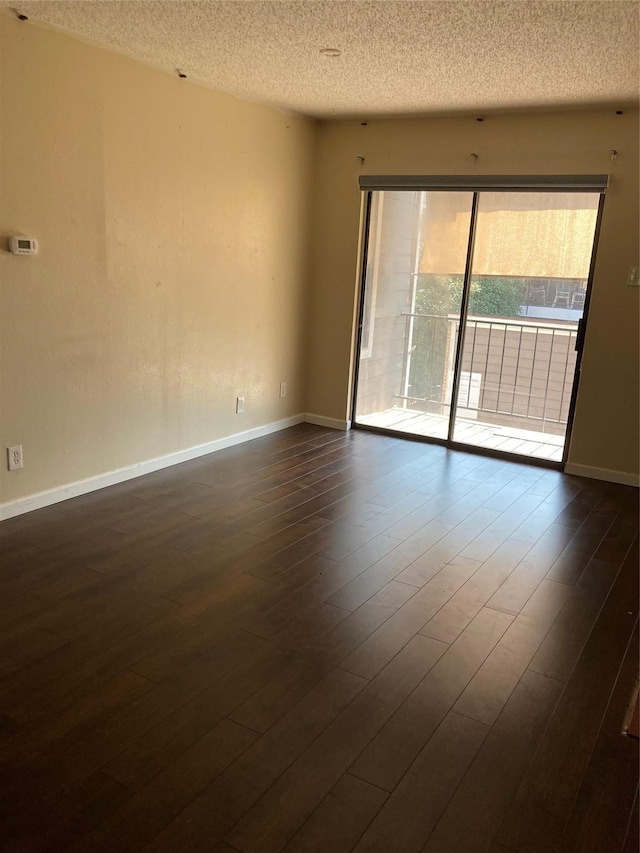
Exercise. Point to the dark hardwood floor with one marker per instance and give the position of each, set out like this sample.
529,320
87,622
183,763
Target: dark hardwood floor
321,641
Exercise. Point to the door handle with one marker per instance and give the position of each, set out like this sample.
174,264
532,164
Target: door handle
580,334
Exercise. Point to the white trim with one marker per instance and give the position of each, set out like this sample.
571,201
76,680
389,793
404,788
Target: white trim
331,423
39,500
622,477
120,475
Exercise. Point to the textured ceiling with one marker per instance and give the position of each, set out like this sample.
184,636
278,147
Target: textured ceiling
397,58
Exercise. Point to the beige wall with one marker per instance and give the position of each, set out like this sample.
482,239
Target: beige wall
606,427
172,274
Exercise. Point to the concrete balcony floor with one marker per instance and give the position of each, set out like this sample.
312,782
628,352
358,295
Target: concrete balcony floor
525,442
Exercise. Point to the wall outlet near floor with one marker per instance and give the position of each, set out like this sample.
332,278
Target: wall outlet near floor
14,457
283,389
239,405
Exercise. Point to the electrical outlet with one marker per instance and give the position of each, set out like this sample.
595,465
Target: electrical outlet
283,389
14,456
634,277
239,405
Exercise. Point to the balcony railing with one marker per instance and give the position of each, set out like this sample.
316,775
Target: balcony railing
512,371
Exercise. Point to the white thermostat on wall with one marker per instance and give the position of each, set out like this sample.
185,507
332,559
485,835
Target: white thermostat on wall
23,246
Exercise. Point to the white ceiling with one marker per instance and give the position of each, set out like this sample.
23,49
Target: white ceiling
430,57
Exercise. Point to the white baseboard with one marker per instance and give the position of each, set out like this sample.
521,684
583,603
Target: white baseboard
39,500
332,423
622,477
10,509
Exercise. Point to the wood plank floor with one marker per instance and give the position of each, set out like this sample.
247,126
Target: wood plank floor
323,641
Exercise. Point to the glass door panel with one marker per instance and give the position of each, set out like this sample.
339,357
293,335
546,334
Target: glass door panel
413,283
531,258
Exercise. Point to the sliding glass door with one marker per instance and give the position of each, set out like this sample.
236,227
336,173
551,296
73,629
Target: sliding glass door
470,314
416,258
